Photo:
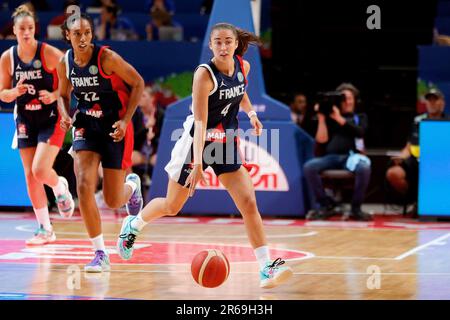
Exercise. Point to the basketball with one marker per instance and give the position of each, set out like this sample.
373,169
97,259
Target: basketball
210,268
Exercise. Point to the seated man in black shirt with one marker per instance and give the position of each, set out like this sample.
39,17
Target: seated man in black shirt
341,133
403,175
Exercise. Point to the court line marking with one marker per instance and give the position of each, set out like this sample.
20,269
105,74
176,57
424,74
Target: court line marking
423,246
105,274
306,254
353,258
330,225
28,228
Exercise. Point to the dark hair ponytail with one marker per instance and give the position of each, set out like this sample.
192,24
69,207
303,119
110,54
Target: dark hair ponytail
244,37
71,19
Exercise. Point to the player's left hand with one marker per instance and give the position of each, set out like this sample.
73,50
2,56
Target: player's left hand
119,132
257,126
46,97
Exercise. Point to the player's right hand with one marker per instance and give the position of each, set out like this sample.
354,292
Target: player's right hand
21,88
194,177
65,123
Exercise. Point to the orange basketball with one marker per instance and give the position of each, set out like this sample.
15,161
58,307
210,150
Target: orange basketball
210,268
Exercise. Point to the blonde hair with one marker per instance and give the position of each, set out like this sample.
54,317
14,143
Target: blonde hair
23,11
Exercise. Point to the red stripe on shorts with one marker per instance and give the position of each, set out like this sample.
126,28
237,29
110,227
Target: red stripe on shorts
128,148
57,138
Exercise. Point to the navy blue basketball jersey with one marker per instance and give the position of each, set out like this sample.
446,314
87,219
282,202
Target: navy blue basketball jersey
226,96
37,77
98,95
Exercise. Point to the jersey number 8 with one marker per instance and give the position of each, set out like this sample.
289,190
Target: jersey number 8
31,90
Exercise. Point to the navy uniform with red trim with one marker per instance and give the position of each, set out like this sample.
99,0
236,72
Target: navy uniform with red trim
101,100
35,121
223,108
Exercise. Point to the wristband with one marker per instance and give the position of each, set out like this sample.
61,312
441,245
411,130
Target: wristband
251,114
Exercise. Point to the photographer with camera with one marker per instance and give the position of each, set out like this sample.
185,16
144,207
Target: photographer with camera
341,131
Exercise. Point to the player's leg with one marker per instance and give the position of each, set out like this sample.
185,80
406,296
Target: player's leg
175,199
116,162
86,168
240,187
43,172
115,192
38,198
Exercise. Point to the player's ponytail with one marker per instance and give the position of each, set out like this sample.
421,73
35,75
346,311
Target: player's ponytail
22,11
244,37
70,20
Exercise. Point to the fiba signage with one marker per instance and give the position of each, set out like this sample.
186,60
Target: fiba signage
265,170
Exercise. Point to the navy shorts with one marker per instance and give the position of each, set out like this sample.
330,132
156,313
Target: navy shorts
33,127
221,157
93,135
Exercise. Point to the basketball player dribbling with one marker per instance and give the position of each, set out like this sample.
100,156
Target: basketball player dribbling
107,89
28,76
218,92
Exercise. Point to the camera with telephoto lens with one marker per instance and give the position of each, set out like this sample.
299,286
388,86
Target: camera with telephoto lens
327,100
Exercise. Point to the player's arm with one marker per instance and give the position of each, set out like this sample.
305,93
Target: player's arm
8,94
52,57
114,63
201,87
246,105
64,90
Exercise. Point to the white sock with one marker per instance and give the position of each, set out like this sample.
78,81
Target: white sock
99,243
262,255
138,223
132,184
43,218
60,187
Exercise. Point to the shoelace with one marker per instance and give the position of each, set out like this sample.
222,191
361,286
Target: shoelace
40,231
62,199
98,257
276,263
130,239
135,201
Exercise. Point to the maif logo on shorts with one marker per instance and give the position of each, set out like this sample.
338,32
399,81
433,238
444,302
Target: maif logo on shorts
79,134
22,131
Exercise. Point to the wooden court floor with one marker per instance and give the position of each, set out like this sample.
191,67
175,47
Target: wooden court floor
391,258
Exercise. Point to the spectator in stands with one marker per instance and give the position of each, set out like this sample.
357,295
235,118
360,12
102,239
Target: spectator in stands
440,39
206,7
342,132
40,5
160,18
404,169
147,123
298,108
163,5
54,26
6,31
112,26
101,3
